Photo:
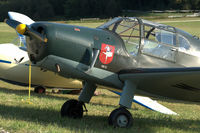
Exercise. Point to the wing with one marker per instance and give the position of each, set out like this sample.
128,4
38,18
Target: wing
177,83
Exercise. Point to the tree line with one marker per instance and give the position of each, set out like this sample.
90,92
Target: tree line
75,9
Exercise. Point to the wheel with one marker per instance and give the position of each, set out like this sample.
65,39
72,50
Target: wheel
110,122
39,89
120,118
72,108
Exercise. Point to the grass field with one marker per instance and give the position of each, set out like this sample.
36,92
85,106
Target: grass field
43,115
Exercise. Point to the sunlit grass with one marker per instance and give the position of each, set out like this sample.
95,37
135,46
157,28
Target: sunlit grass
43,115
7,34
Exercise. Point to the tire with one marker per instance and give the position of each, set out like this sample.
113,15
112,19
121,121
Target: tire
39,90
110,122
120,117
72,108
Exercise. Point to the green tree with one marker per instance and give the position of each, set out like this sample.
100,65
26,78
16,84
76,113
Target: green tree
44,11
112,9
72,8
49,9
85,8
58,6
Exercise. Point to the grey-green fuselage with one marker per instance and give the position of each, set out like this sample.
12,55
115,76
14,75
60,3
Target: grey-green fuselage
73,50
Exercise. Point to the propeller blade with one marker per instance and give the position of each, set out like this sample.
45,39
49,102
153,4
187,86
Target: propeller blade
23,29
19,27
12,23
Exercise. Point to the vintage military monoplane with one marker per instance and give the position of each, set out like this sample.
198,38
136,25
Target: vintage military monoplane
131,55
14,63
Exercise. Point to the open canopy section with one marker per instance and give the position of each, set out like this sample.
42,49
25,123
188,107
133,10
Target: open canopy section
148,37
129,31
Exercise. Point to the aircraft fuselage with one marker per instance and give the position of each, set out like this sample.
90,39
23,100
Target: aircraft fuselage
101,56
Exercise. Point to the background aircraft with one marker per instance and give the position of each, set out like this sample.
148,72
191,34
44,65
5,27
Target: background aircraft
14,68
128,54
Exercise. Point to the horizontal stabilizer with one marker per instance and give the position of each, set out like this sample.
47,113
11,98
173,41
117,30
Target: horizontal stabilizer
150,104
153,105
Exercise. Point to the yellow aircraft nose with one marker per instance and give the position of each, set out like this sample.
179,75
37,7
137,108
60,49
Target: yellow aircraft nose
21,29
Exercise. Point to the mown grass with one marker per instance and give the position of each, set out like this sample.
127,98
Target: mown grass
43,115
7,34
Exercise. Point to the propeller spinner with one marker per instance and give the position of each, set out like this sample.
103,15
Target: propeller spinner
21,29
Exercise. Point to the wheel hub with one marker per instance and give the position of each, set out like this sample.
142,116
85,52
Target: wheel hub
122,121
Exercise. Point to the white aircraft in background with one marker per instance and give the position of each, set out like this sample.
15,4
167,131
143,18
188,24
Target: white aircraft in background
14,69
14,64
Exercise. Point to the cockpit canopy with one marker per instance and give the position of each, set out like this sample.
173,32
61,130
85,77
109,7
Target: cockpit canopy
151,38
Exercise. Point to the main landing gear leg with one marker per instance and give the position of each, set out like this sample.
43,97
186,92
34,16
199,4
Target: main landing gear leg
74,108
121,117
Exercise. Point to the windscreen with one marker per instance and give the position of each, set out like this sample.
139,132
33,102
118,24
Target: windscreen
129,31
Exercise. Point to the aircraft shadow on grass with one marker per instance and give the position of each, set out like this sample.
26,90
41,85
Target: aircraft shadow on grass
40,115
25,93
47,116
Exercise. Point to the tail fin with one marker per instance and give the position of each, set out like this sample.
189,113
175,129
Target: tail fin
23,19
